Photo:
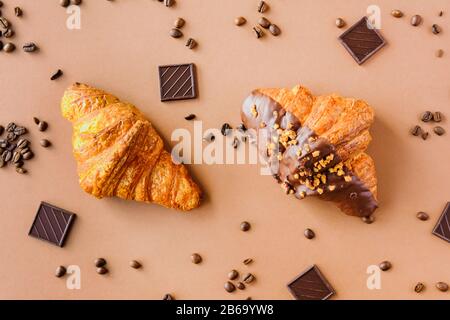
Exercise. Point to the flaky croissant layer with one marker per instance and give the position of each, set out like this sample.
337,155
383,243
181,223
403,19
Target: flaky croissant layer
119,153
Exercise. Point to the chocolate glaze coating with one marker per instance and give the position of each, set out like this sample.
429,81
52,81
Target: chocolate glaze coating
262,114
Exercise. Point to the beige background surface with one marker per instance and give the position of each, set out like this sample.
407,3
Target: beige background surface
119,47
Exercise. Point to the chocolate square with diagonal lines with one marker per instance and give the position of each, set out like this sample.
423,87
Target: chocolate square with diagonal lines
362,40
52,224
311,285
442,228
177,82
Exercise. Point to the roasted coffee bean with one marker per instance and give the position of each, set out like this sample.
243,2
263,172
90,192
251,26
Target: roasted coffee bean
245,226
437,116
18,12
10,127
16,157
419,287
210,137
264,22
22,143
274,30
99,262
42,126
262,7
135,264
2,129
309,234
27,156
11,147
368,220
226,129
240,286
21,170
11,136
442,286
258,32
45,143
233,274
436,29
340,23
196,258
249,278
4,23
6,155
190,117
175,33
191,43
397,13
60,271
229,287
76,2
179,23
385,265
416,131
36,120
19,164
439,53
422,216
9,47
20,131
427,116
8,33
30,47
439,131
25,150
242,128
168,296
239,21
425,135
416,20
64,3
169,3
56,75
248,261
102,270
235,143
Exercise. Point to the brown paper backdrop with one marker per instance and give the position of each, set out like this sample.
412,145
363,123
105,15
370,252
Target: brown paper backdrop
119,47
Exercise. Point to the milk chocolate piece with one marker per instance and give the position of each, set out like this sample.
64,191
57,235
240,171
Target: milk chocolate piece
442,228
177,82
52,224
362,40
311,285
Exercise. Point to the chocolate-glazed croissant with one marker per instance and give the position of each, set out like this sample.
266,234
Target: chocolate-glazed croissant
119,153
315,145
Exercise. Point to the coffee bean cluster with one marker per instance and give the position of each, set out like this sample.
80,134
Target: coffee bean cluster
429,117
236,281
100,264
14,149
176,32
263,22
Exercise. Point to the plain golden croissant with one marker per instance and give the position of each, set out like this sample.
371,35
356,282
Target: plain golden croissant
119,153
315,145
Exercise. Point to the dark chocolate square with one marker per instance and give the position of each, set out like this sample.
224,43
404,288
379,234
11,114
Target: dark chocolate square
177,82
442,228
311,285
52,224
362,40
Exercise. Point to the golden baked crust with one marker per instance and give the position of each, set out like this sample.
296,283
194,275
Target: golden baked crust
119,153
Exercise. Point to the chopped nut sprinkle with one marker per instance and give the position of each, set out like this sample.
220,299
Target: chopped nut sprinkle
316,153
254,111
347,178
